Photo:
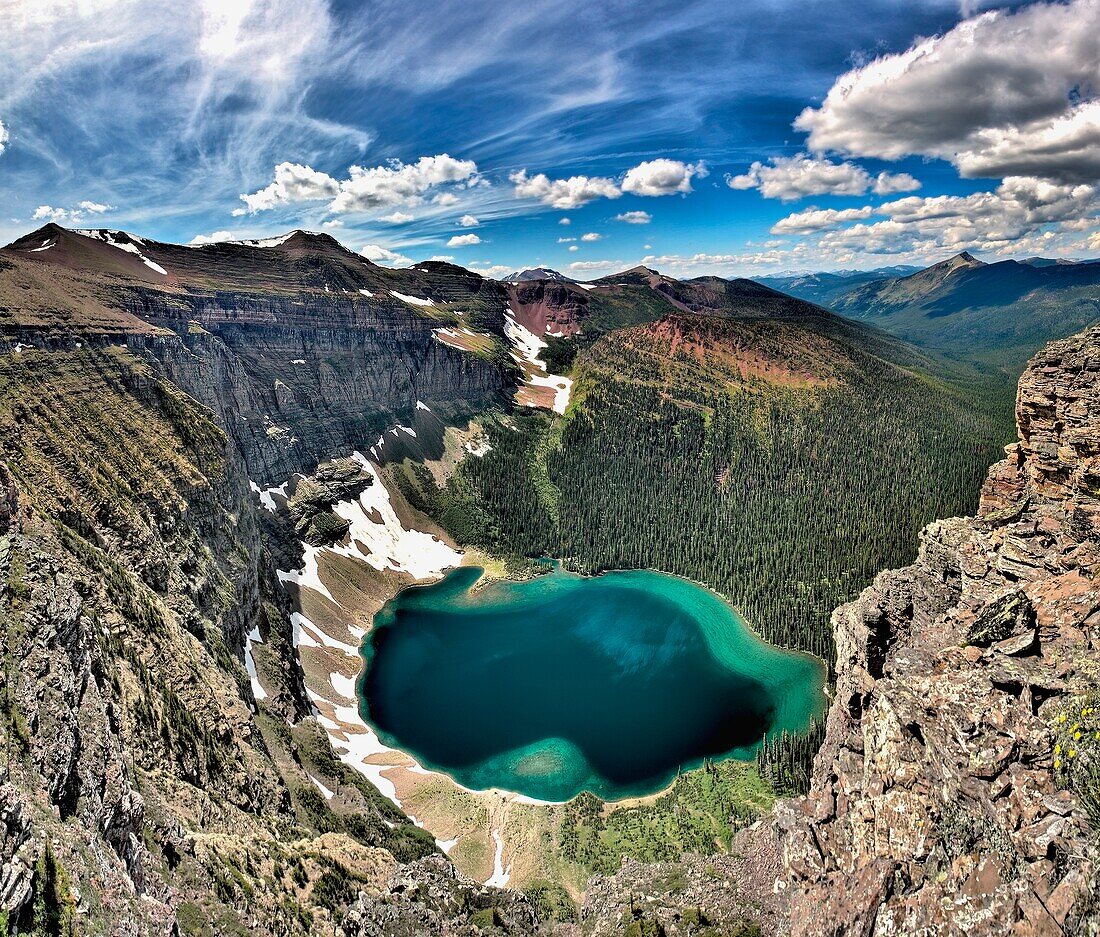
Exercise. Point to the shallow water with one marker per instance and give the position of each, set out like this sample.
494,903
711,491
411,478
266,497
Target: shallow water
566,683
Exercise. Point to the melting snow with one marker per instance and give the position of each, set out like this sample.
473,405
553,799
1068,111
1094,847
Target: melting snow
131,248
413,299
527,347
46,245
587,286
250,663
420,405
500,875
366,293
325,792
266,494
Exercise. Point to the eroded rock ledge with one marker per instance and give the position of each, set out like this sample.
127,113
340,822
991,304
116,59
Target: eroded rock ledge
940,803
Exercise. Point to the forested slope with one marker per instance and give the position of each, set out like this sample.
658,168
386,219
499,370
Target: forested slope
777,460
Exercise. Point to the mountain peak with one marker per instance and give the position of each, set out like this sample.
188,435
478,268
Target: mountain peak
537,273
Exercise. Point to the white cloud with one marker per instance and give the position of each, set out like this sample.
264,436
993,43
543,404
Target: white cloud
445,199
365,189
574,247
3,136
464,240
582,266
397,217
384,256
890,183
814,219
69,215
215,238
468,221
565,221
789,178
332,223
635,217
444,258
293,183
662,177
591,236
490,270
1019,209
399,183
563,193
566,240
998,95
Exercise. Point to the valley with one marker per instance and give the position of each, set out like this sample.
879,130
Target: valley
225,466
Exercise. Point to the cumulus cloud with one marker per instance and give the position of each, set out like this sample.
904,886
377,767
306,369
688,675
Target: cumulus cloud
1021,207
634,217
565,221
216,238
563,193
366,188
574,248
72,215
293,183
397,217
399,183
464,240
591,236
468,221
815,219
789,178
662,177
1000,94
384,256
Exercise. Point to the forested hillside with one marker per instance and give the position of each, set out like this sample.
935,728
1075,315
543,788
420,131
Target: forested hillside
775,460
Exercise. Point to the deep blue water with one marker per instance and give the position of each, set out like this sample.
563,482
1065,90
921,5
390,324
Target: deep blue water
565,683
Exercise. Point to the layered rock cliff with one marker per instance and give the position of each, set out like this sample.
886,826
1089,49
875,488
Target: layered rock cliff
952,794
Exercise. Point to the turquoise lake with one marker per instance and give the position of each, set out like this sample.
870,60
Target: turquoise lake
564,683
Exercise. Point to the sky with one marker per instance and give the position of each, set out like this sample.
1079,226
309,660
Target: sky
695,136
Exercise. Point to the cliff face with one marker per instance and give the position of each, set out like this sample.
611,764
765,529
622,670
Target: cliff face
952,791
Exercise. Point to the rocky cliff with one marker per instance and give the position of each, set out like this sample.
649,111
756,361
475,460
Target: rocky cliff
954,790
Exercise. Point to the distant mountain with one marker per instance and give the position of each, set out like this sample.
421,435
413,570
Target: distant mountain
822,288
537,273
999,312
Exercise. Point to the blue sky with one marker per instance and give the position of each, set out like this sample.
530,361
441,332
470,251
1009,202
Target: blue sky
698,137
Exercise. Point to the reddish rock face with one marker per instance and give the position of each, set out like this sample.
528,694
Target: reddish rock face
936,807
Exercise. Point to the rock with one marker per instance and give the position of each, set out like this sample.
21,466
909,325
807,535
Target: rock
934,807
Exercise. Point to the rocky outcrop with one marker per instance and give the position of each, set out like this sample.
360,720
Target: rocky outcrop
945,799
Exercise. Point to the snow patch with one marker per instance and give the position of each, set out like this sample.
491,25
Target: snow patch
366,293
46,245
266,495
413,300
325,792
420,405
528,346
130,247
500,875
250,663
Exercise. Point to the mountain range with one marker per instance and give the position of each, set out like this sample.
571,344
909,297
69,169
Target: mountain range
998,313
219,462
